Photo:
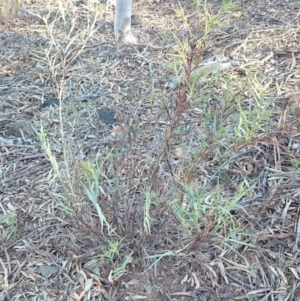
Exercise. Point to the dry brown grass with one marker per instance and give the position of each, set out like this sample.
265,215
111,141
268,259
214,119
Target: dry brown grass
219,164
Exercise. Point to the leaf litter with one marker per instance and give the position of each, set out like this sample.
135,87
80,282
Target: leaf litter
259,263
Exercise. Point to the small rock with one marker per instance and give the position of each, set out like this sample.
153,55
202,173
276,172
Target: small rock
47,271
19,129
16,141
178,153
94,266
52,102
106,116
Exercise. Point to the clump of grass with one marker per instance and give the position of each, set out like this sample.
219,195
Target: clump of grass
60,54
120,200
8,10
10,218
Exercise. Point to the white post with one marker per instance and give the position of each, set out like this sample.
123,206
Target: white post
122,28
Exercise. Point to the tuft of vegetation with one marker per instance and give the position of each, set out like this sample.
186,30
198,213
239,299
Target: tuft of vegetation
8,10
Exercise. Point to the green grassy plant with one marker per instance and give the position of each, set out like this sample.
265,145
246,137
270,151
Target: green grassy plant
122,205
8,10
11,220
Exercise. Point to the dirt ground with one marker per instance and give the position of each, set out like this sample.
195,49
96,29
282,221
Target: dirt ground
50,250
